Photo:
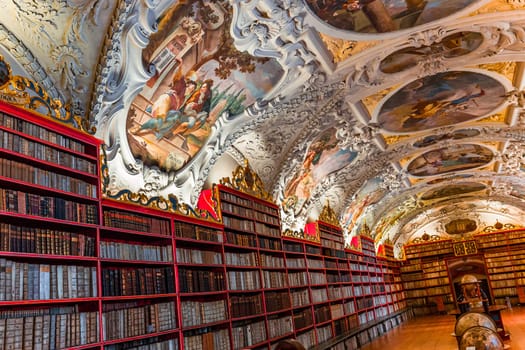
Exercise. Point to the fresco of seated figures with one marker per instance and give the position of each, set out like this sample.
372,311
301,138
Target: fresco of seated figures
439,100
194,85
450,159
454,45
381,16
452,190
455,135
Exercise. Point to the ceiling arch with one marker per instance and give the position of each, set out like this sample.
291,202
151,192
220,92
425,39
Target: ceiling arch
398,124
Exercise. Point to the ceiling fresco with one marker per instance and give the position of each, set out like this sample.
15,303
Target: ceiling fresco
383,16
455,158
407,117
440,100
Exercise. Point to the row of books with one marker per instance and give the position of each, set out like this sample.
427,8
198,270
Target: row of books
277,301
246,335
211,339
335,293
319,295
273,279
324,333
194,256
196,281
238,224
246,305
264,229
49,329
364,303
271,219
297,279
137,281
272,261
245,240
128,251
196,312
135,222
266,208
322,314
47,206
20,144
302,318
229,197
269,243
146,344
241,259
232,209
125,320
431,282
244,280
39,132
280,326
186,230
24,239
37,176
337,311
332,244
25,281
300,297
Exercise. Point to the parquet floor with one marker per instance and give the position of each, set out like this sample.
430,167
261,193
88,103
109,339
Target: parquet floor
435,333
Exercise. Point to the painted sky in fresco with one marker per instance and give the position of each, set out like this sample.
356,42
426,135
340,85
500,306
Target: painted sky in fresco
322,158
442,99
449,159
452,190
368,195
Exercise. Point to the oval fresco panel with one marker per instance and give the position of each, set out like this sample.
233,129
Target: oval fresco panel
172,117
442,99
323,158
452,190
450,159
455,135
381,16
454,45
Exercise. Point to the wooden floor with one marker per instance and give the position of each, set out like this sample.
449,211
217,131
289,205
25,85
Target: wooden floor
435,333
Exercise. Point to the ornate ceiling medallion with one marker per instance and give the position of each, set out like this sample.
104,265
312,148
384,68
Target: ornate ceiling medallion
440,100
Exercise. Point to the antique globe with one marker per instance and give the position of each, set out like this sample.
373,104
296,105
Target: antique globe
472,319
480,338
467,279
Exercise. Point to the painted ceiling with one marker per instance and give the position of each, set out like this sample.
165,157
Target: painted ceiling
406,117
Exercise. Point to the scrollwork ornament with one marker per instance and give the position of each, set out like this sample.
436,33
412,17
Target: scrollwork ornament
513,158
431,65
366,75
504,36
427,37
274,28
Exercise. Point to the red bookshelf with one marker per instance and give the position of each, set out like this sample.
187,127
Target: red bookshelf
84,272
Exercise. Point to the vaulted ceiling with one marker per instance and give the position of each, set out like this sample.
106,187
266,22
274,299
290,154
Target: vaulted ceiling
406,117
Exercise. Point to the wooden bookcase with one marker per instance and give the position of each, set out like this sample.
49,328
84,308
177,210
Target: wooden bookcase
49,230
85,272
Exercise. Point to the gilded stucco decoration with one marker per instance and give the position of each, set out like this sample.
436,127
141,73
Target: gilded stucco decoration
328,215
244,179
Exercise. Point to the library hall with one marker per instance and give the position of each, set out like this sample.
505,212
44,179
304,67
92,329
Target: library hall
262,174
